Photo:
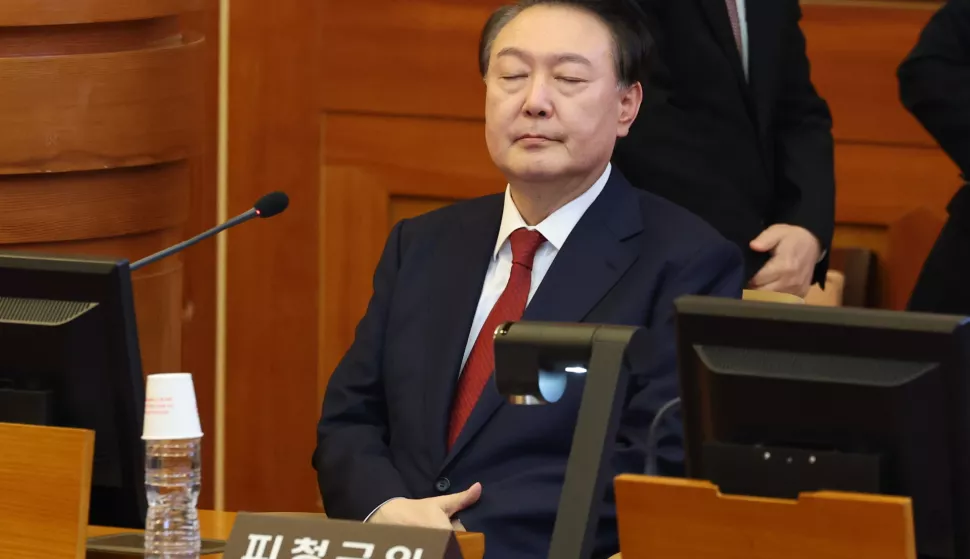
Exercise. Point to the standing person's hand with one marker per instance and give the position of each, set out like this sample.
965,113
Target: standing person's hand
795,252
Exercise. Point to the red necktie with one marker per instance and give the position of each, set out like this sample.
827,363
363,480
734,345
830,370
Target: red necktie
732,8
509,307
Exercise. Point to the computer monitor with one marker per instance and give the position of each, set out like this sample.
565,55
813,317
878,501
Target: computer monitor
69,357
779,399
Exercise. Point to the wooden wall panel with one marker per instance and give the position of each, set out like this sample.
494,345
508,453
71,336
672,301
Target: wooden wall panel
101,150
198,309
97,127
93,205
100,110
879,184
54,12
404,207
418,57
272,265
854,52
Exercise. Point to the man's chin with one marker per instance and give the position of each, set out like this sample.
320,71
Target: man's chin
534,172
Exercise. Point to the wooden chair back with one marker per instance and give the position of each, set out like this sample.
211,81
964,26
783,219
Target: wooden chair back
45,491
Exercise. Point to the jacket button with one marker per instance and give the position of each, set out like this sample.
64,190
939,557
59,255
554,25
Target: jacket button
442,485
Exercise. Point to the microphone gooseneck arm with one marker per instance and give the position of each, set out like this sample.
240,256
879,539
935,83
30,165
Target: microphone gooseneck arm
200,237
651,462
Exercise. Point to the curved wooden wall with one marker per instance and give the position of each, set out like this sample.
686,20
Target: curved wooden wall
99,115
101,152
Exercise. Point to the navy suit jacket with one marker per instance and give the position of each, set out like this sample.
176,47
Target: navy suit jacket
383,429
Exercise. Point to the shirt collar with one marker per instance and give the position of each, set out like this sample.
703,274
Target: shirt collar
557,227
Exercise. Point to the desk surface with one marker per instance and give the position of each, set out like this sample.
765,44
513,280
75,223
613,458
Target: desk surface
218,525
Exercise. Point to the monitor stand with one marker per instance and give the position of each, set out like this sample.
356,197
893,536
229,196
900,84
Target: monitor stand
784,472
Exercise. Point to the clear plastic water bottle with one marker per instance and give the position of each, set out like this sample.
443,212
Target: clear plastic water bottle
173,476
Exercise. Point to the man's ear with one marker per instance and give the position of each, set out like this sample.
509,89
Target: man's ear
630,99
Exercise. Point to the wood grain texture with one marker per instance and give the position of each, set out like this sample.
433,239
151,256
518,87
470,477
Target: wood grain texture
199,285
45,484
115,36
689,519
17,13
854,52
879,184
94,204
424,51
99,122
272,266
99,111
405,207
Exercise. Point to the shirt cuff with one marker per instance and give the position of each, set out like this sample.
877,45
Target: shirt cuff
379,507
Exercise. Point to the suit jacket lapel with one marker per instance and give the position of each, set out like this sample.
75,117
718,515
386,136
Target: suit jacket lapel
453,300
590,262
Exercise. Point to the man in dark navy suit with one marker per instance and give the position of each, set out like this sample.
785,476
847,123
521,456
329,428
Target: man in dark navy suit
413,430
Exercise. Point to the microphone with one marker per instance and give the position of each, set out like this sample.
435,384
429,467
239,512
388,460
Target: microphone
267,206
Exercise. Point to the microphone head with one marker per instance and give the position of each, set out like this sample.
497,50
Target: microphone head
271,204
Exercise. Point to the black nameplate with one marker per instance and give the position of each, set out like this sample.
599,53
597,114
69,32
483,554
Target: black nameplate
258,536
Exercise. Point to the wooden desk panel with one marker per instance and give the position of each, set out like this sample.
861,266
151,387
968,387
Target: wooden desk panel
45,476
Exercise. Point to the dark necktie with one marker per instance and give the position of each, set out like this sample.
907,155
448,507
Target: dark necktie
509,307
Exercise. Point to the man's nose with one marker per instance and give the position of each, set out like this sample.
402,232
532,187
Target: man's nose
538,103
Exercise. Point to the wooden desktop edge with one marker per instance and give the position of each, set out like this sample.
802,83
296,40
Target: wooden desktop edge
218,525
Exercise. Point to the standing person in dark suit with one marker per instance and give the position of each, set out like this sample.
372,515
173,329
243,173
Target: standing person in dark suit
934,84
413,430
732,129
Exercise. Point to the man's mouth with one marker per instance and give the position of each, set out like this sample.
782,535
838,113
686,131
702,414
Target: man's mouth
534,138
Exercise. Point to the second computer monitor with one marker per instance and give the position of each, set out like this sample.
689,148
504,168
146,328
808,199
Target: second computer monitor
779,399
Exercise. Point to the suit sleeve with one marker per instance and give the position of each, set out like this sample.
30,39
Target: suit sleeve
352,458
934,81
805,156
651,359
717,270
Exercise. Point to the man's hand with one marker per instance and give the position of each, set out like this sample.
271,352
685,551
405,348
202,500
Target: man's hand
795,252
434,512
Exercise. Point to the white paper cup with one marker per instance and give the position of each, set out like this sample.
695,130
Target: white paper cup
170,408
